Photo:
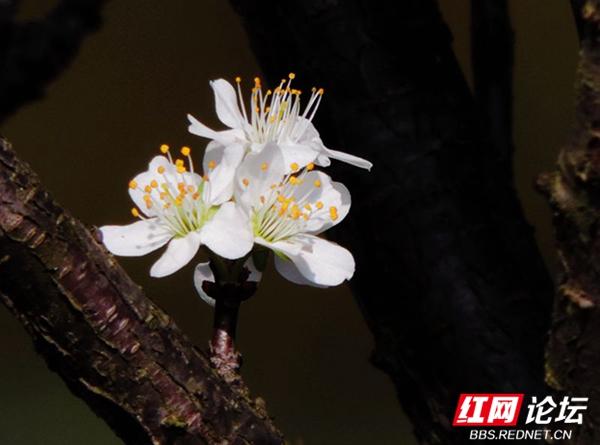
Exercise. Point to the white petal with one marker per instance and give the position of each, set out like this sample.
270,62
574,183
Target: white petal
228,233
321,262
224,137
257,173
255,275
333,194
203,273
226,160
180,251
290,272
135,239
226,104
348,158
144,179
298,154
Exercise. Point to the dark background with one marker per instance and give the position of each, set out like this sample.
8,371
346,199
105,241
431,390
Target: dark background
306,350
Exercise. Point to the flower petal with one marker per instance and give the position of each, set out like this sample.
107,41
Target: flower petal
226,104
135,239
145,178
203,273
255,275
319,261
220,164
228,233
290,272
297,154
347,158
224,137
180,251
334,195
257,173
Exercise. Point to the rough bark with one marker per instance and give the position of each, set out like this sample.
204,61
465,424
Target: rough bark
449,278
35,53
573,352
113,347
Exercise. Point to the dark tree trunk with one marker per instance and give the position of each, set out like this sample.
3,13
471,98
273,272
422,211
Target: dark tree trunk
573,352
115,349
449,278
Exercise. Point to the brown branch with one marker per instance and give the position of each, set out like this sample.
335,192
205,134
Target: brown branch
113,347
573,352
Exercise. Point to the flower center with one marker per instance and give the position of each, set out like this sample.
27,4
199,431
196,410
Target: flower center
285,209
175,196
277,115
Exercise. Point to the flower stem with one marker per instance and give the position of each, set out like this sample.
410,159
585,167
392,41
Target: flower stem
224,357
231,287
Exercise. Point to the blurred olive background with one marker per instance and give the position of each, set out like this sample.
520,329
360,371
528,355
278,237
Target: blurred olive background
306,350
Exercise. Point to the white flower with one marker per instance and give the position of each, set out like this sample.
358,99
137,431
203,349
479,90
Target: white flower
287,210
179,207
275,116
203,273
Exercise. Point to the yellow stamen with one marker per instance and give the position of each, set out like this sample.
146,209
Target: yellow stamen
135,212
164,148
292,76
310,166
160,169
293,180
132,184
280,198
319,205
294,166
185,151
238,79
317,183
212,164
148,189
245,182
180,169
296,212
264,166
154,184
178,162
333,213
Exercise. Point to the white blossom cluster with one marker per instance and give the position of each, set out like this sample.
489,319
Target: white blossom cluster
260,189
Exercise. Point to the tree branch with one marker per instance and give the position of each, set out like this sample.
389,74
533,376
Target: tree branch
437,221
33,54
113,347
573,352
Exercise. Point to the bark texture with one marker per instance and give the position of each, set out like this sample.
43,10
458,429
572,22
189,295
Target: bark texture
113,347
573,352
449,278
